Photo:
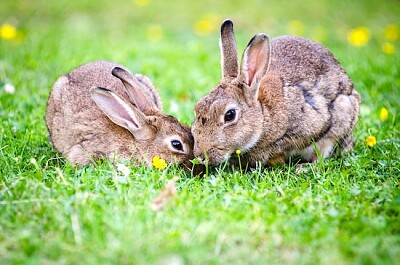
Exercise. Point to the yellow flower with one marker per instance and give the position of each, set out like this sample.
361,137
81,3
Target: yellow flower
391,32
384,114
296,27
318,34
203,27
371,140
206,24
238,152
154,33
141,3
159,163
8,31
359,36
388,48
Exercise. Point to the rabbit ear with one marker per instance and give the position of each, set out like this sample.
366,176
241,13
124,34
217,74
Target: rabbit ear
229,57
138,94
255,61
121,113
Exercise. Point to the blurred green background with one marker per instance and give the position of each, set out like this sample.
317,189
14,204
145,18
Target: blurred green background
343,211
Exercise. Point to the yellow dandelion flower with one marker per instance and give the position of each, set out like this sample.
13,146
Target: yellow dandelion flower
371,141
141,3
359,36
384,114
8,31
388,48
238,152
203,27
154,33
206,24
183,97
296,27
391,32
319,34
159,163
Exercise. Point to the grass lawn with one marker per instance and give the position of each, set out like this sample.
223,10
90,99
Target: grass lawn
343,211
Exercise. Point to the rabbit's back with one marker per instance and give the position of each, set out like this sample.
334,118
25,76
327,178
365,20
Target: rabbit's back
309,65
75,122
79,81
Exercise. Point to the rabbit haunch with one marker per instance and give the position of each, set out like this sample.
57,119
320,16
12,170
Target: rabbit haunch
100,110
289,96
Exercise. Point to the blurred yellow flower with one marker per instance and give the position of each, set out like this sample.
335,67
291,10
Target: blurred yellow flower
318,34
8,31
359,36
206,24
154,32
203,27
296,27
391,32
388,48
371,141
141,3
183,96
159,163
238,152
384,114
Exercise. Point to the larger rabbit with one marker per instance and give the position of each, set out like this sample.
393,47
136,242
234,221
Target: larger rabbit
289,97
100,110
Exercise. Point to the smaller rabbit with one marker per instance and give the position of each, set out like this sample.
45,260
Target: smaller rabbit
290,97
100,110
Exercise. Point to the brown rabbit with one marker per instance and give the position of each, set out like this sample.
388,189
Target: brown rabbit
100,109
290,97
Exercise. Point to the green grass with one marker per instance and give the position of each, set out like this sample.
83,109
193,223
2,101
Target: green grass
343,211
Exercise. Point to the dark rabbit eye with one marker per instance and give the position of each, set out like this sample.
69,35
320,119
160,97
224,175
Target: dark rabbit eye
230,115
176,144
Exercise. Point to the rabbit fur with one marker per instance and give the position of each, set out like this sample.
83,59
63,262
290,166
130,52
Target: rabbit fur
290,97
100,109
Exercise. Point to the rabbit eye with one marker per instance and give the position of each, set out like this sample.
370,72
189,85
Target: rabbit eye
230,115
177,145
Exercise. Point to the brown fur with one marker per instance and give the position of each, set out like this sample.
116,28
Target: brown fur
81,131
304,97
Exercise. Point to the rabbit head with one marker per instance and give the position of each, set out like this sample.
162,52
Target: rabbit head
161,135
226,120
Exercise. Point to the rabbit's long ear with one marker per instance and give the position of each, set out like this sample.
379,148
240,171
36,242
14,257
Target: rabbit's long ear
229,56
141,96
255,62
121,113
